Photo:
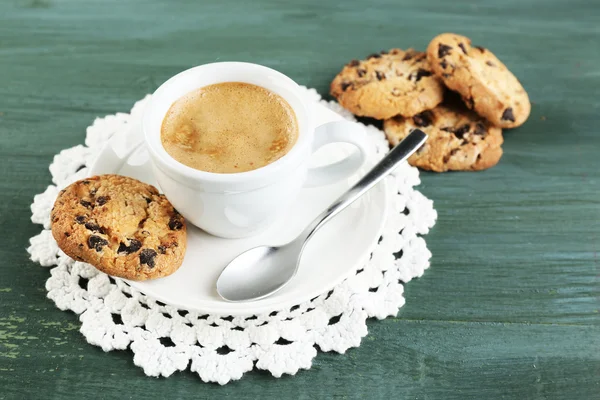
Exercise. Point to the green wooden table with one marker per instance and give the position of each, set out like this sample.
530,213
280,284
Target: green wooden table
510,306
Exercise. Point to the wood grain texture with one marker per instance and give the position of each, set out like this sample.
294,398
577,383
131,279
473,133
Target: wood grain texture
510,307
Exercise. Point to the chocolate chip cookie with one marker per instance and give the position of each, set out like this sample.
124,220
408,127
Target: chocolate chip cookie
459,139
387,84
121,226
485,84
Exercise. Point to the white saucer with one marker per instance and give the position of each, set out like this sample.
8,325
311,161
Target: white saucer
337,250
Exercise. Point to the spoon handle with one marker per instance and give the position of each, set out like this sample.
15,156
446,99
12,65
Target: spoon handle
401,152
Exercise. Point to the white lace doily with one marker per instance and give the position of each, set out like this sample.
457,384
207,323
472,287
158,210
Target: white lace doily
164,339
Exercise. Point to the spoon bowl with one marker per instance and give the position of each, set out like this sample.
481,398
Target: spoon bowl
265,269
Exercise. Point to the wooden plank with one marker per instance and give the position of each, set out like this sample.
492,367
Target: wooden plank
510,307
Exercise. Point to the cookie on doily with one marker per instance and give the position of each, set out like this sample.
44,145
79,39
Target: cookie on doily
386,84
121,226
484,82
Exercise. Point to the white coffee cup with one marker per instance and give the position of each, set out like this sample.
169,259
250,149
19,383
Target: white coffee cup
242,204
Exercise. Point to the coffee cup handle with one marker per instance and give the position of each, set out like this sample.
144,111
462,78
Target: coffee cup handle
336,132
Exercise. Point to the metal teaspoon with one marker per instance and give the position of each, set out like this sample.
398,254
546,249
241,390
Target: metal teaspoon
263,270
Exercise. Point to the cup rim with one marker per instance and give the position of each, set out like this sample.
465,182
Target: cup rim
290,159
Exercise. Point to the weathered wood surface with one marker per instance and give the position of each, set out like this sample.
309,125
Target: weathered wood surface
510,307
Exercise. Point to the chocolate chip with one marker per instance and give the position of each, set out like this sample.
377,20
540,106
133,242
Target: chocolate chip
147,257
453,152
419,74
508,115
423,119
361,72
481,49
162,249
444,64
148,200
80,219
408,55
463,48
491,64
420,56
96,243
102,200
446,75
85,203
134,245
175,223
67,234
86,182
380,75
353,63
479,129
94,227
383,52
460,132
374,55
345,85
443,50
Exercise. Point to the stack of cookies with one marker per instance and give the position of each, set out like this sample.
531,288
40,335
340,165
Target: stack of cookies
407,89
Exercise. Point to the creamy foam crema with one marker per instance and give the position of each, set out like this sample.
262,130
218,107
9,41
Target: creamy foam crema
229,127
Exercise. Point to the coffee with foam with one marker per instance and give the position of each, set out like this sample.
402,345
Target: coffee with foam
229,127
